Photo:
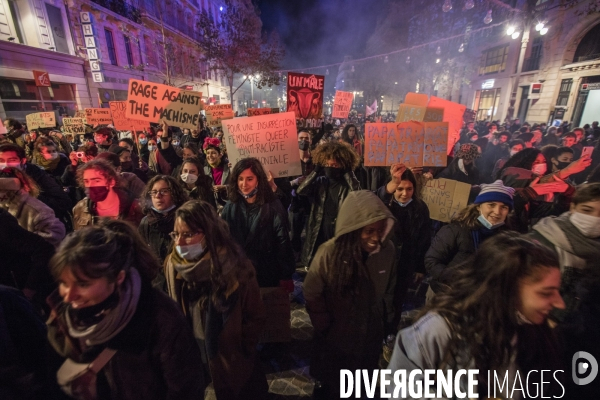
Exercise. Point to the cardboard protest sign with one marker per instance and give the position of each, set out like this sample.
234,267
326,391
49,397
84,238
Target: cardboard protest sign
414,144
453,115
81,114
120,120
416,99
153,102
252,112
445,198
74,126
215,114
342,104
305,98
272,139
41,120
98,116
409,112
433,114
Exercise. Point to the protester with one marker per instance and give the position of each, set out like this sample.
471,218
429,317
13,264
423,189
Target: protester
492,318
300,207
326,193
350,136
162,196
575,237
211,278
104,139
216,168
18,194
514,146
195,183
104,197
349,291
157,163
105,311
47,157
412,232
15,132
259,224
462,168
457,241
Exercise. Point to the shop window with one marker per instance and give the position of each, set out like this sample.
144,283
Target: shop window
564,91
493,60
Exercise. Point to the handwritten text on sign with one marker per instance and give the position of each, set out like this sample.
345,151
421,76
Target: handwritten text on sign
342,104
120,120
270,138
98,116
252,112
154,102
73,126
41,120
414,144
215,114
445,198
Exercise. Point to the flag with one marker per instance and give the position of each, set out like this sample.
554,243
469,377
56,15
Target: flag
372,109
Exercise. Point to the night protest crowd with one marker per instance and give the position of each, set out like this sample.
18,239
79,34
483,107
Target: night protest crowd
132,268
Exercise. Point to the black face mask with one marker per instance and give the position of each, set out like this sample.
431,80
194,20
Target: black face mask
97,193
333,173
126,166
562,164
303,145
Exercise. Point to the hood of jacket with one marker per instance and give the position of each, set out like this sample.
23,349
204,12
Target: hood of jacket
362,208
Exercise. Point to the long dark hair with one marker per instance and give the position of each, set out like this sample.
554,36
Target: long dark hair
201,216
481,306
264,195
178,195
523,159
203,184
347,138
104,250
348,268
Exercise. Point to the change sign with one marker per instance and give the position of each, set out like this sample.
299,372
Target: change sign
73,125
121,122
272,139
342,104
98,116
41,120
154,102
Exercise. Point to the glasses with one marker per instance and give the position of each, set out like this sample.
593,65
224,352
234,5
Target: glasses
187,236
162,192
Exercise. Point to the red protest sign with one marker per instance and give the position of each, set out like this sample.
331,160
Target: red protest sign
121,122
342,104
453,115
305,98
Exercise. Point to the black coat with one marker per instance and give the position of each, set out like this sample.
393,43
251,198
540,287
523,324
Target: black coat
315,188
453,172
155,229
51,193
263,233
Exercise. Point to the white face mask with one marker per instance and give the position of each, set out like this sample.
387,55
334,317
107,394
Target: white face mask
513,152
175,143
539,169
151,147
189,178
50,156
588,225
191,252
461,166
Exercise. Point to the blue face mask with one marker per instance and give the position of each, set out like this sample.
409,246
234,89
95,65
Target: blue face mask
163,211
403,204
143,141
487,223
190,252
249,195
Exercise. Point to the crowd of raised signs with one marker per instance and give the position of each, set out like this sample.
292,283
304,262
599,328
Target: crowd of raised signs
138,265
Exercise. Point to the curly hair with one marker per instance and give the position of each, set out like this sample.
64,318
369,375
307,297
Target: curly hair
103,251
27,183
523,159
481,306
340,152
102,166
347,138
89,149
201,216
178,195
264,195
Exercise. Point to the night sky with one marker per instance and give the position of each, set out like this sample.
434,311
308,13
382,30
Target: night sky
318,32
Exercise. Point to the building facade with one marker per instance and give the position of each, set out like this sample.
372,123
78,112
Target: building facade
87,50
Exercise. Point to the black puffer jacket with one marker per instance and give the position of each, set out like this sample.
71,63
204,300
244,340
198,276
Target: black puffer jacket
315,188
263,233
155,229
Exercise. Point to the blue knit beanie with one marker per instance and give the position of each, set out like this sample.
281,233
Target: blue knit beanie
496,192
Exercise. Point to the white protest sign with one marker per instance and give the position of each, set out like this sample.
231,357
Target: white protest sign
271,138
445,198
41,120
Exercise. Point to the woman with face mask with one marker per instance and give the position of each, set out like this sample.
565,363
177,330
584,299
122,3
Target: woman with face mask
494,318
326,188
457,241
105,311
195,183
105,198
162,196
47,157
216,167
210,277
575,236
259,223
18,194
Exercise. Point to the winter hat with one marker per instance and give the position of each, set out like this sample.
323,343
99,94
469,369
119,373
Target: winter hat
468,152
496,192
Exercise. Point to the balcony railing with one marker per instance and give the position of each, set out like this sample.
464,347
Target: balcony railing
122,8
531,64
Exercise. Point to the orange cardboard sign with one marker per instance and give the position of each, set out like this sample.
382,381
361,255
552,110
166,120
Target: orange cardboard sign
453,115
416,99
120,120
153,102
98,116
342,104
215,114
414,144
409,112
